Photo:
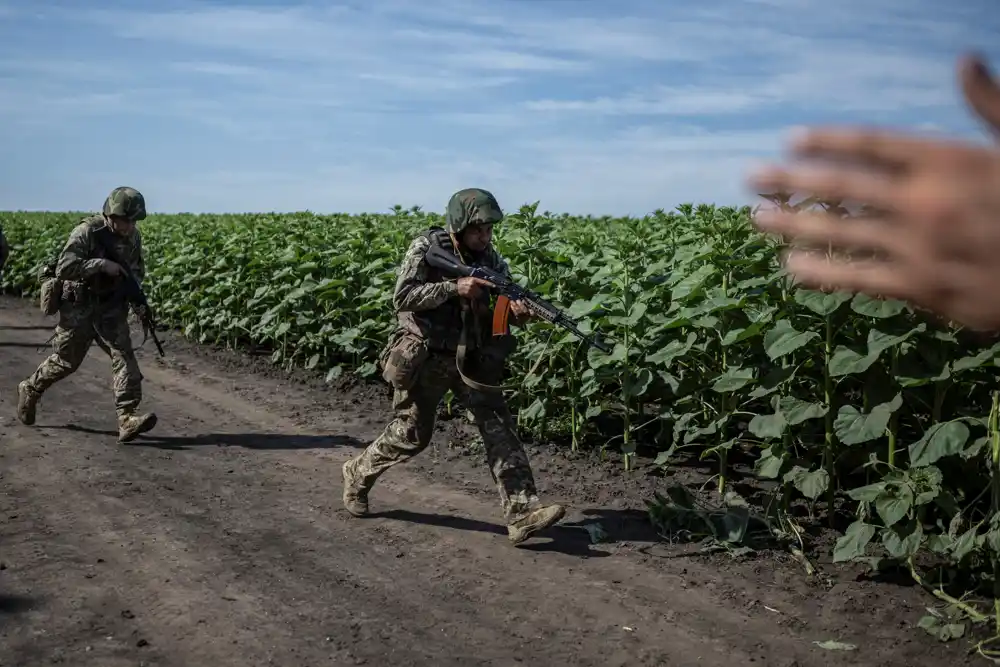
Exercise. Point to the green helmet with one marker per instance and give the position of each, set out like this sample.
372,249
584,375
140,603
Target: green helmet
126,202
472,206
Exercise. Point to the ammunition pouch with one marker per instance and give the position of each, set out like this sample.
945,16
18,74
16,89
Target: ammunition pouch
402,359
51,289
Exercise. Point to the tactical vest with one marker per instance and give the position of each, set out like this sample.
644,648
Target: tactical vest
443,324
100,284
474,331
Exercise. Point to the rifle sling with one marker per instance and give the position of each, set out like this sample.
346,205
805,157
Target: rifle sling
463,340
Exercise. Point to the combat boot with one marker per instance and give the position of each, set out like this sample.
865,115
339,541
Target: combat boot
524,526
355,490
130,425
27,399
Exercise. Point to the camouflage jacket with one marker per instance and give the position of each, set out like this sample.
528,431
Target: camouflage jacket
427,302
83,258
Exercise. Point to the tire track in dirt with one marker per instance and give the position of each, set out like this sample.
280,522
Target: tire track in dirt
222,537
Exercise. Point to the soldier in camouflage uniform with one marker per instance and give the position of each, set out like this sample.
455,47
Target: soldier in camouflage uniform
92,311
4,251
420,363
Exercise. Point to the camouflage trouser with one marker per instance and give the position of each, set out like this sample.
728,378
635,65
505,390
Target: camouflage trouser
410,432
78,327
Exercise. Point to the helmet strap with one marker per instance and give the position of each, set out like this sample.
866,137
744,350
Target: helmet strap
458,248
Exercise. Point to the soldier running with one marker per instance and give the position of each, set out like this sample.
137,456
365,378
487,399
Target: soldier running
93,310
434,317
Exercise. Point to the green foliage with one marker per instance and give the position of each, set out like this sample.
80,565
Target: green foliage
846,401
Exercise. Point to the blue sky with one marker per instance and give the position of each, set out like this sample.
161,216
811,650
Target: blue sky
588,106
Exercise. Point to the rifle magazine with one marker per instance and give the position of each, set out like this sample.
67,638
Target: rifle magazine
501,316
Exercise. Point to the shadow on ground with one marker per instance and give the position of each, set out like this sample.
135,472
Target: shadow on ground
629,525
16,604
21,327
571,538
275,441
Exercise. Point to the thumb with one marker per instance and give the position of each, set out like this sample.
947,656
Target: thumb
981,91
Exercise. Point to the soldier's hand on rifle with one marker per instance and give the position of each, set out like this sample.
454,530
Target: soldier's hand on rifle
521,311
470,287
110,268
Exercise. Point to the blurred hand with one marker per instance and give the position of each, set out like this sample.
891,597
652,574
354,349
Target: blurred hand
936,233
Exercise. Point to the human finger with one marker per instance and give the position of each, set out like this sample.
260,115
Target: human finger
972,313
980,90
887,150
467,286
872,277
808,228
831,183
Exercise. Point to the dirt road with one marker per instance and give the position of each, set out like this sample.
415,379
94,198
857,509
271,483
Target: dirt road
220,540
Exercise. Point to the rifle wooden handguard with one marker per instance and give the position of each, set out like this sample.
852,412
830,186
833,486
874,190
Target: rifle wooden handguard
501,315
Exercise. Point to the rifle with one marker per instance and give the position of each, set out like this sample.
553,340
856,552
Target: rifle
130,285
508,290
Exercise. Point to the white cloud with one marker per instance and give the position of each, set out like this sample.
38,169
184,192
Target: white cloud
662,100
603,40
227,70
486,121
46,108
421,84
505,60
290,33
46,69
833,81
785,58
495,48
